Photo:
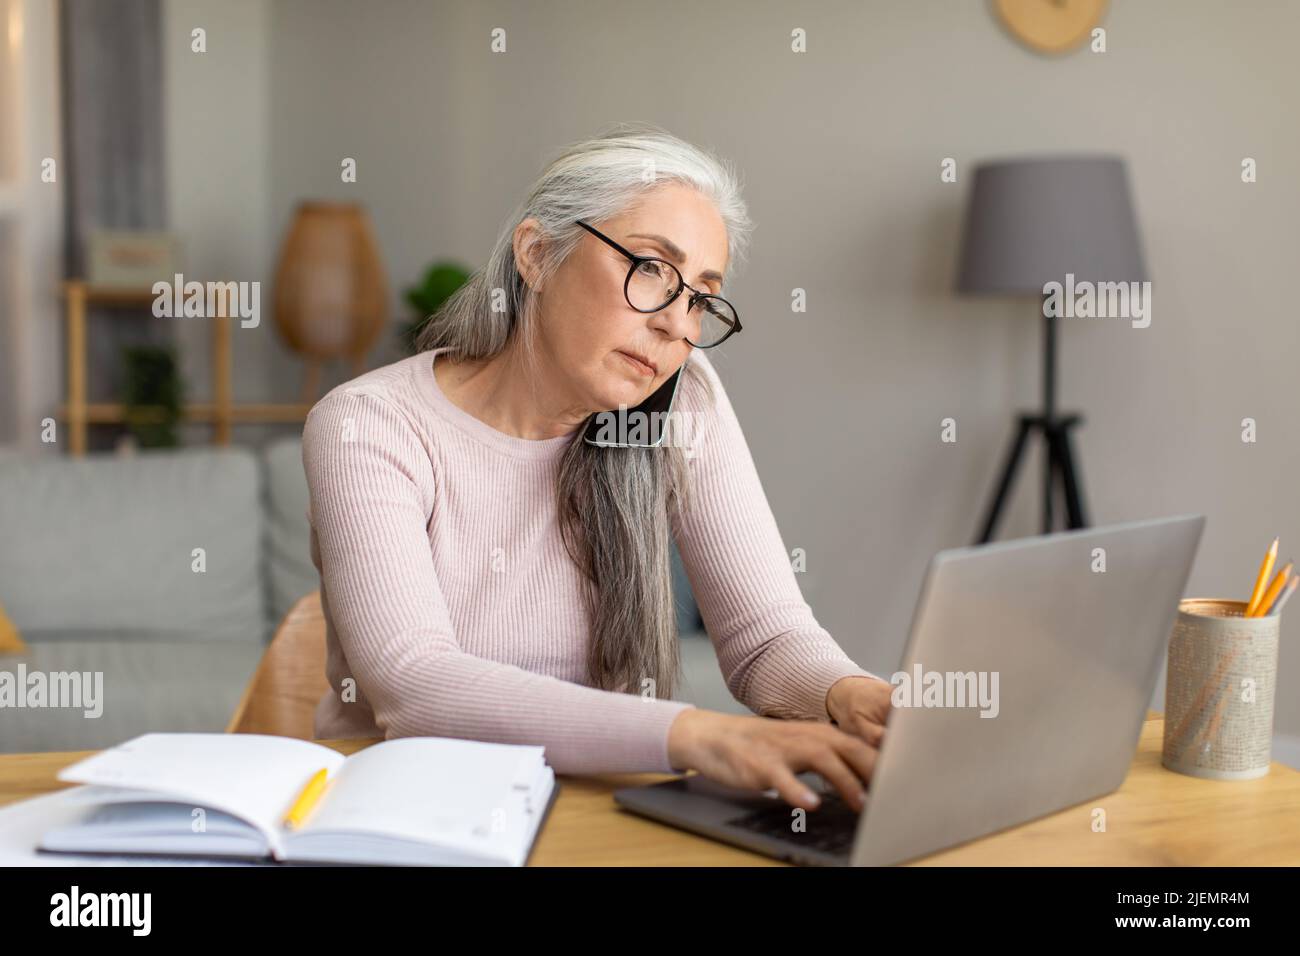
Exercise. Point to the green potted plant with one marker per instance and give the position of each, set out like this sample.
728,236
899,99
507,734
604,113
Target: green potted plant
439,282
152,394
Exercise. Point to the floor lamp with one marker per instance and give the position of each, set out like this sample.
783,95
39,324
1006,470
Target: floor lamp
1030,222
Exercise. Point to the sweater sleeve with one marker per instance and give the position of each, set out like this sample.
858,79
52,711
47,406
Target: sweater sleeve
777,660
370,482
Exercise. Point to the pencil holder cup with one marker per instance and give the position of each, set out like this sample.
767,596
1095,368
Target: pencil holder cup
1219,691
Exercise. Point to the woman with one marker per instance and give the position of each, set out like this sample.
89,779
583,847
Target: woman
486,573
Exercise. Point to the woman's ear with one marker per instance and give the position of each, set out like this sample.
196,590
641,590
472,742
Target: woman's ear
527,244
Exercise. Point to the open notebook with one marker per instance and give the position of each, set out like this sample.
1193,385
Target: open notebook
430,801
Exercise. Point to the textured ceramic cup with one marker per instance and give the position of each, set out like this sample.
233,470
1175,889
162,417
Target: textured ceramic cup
1219,691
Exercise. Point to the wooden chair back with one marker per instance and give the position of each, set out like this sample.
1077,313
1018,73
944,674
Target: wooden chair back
290,680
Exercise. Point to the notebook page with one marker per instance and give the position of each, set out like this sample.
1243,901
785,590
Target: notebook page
254,777
433,789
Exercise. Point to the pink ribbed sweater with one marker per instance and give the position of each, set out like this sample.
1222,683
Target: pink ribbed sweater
452,608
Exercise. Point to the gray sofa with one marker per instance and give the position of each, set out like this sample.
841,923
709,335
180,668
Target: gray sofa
167,572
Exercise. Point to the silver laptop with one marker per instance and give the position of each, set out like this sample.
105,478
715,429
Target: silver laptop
1030,667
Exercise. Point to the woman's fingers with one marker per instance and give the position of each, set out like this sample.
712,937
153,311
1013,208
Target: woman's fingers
791,789
769,754
866,728
833,766
844,761
859,755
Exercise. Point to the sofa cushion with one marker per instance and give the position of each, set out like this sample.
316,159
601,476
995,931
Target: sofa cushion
688,614
166,682
108,542
289,571
702,681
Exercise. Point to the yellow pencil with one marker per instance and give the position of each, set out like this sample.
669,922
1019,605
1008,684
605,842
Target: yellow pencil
1261,581
307,799
1273,591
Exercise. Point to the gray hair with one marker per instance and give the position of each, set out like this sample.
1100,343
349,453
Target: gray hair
614,503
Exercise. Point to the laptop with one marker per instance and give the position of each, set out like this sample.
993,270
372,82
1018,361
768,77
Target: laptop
1029,669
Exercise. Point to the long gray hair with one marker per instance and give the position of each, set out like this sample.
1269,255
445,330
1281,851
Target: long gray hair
614,503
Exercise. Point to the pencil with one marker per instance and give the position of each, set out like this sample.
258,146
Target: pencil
1273,591
307,799
1286,593
1261,580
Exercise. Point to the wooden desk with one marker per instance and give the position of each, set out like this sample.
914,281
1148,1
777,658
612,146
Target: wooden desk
1156,818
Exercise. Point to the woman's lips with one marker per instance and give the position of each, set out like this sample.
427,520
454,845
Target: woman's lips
637,364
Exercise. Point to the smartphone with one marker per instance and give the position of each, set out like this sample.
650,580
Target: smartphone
641,427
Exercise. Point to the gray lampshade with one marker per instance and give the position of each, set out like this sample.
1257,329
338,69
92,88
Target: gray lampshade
1031,221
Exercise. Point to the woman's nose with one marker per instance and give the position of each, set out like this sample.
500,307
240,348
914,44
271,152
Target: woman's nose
675,318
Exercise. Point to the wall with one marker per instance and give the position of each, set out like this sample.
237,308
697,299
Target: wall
217,114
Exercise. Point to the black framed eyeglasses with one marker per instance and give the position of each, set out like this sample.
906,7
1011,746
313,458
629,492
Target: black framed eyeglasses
653,284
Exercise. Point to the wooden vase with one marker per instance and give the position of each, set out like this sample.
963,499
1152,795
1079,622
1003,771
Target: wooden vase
330,288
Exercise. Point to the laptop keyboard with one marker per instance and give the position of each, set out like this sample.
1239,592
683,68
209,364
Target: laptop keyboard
830,828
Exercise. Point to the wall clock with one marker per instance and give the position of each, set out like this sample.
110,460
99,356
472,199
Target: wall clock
1050,26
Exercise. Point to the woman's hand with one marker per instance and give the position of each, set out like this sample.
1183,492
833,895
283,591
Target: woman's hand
759,753
860,706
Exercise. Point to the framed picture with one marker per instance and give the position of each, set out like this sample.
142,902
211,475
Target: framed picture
131,259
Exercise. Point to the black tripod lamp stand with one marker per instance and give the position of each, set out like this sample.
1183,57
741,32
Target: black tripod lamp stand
1030,222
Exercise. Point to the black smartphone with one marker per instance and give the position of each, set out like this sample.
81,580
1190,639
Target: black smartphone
641,427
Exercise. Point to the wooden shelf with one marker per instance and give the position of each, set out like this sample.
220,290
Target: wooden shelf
222,412
107,294
113,413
